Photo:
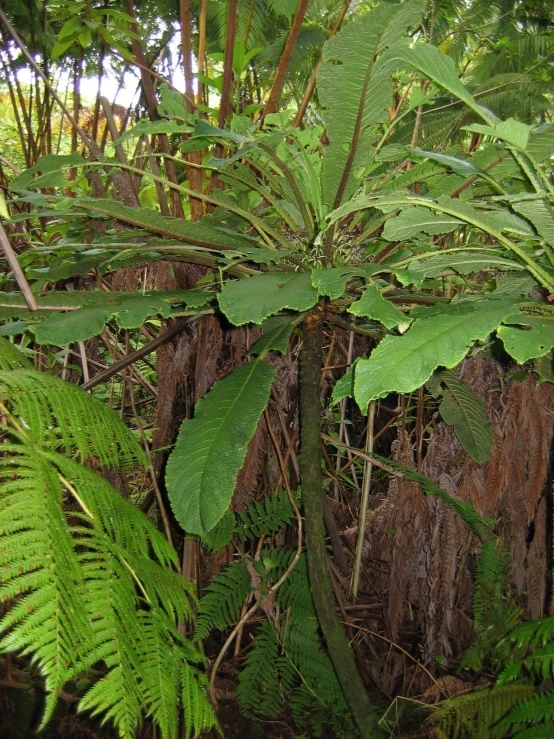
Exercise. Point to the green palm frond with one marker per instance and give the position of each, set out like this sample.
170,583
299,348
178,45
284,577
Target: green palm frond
58,414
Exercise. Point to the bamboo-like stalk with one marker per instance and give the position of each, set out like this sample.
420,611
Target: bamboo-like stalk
227,82
16,269
201,61
284,61
152,104
366,485
194,175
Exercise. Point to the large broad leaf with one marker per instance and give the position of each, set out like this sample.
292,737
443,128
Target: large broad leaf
254,298
534,338
373,305
189,232
49,171
464,262
332,282
404,363
541,215
276,337
511,131
129,310
463,410
458,166
211,447
352,99
412,221
438,67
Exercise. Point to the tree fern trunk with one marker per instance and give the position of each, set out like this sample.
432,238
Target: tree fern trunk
320,581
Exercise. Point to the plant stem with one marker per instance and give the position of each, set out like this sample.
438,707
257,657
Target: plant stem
312,483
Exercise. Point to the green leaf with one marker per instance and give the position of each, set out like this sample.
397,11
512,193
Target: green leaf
151,128
190,232
462,409
463,262
221,533
511,131
404,363
275,339
513,283
344,387
534,339
373,305
428,60
77,325
353,98
254,298
459,166
332,282
134,310
412,221
50,171
211,447
541,215
173,104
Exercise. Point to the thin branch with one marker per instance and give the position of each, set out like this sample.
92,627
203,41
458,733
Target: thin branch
16,269
142,352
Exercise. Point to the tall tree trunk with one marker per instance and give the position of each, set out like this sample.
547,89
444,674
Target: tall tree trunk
318,570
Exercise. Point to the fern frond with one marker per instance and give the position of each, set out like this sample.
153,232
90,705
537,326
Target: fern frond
221,604
199,714
266,517
259,689
539,663
220,535
122,520
534,632
38,567
161,665
476,715
59,414
538,709
494,613
11,358
546,731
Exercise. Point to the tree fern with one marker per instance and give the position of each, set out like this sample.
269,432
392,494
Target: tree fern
494,612
474,715
300,667
221,604
88,579
266,517
60,415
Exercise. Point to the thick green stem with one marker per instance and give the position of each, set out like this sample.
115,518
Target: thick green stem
312,483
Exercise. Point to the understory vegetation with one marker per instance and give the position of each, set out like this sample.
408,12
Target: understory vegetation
276,383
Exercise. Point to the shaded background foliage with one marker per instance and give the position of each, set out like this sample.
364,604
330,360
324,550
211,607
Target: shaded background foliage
415,603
